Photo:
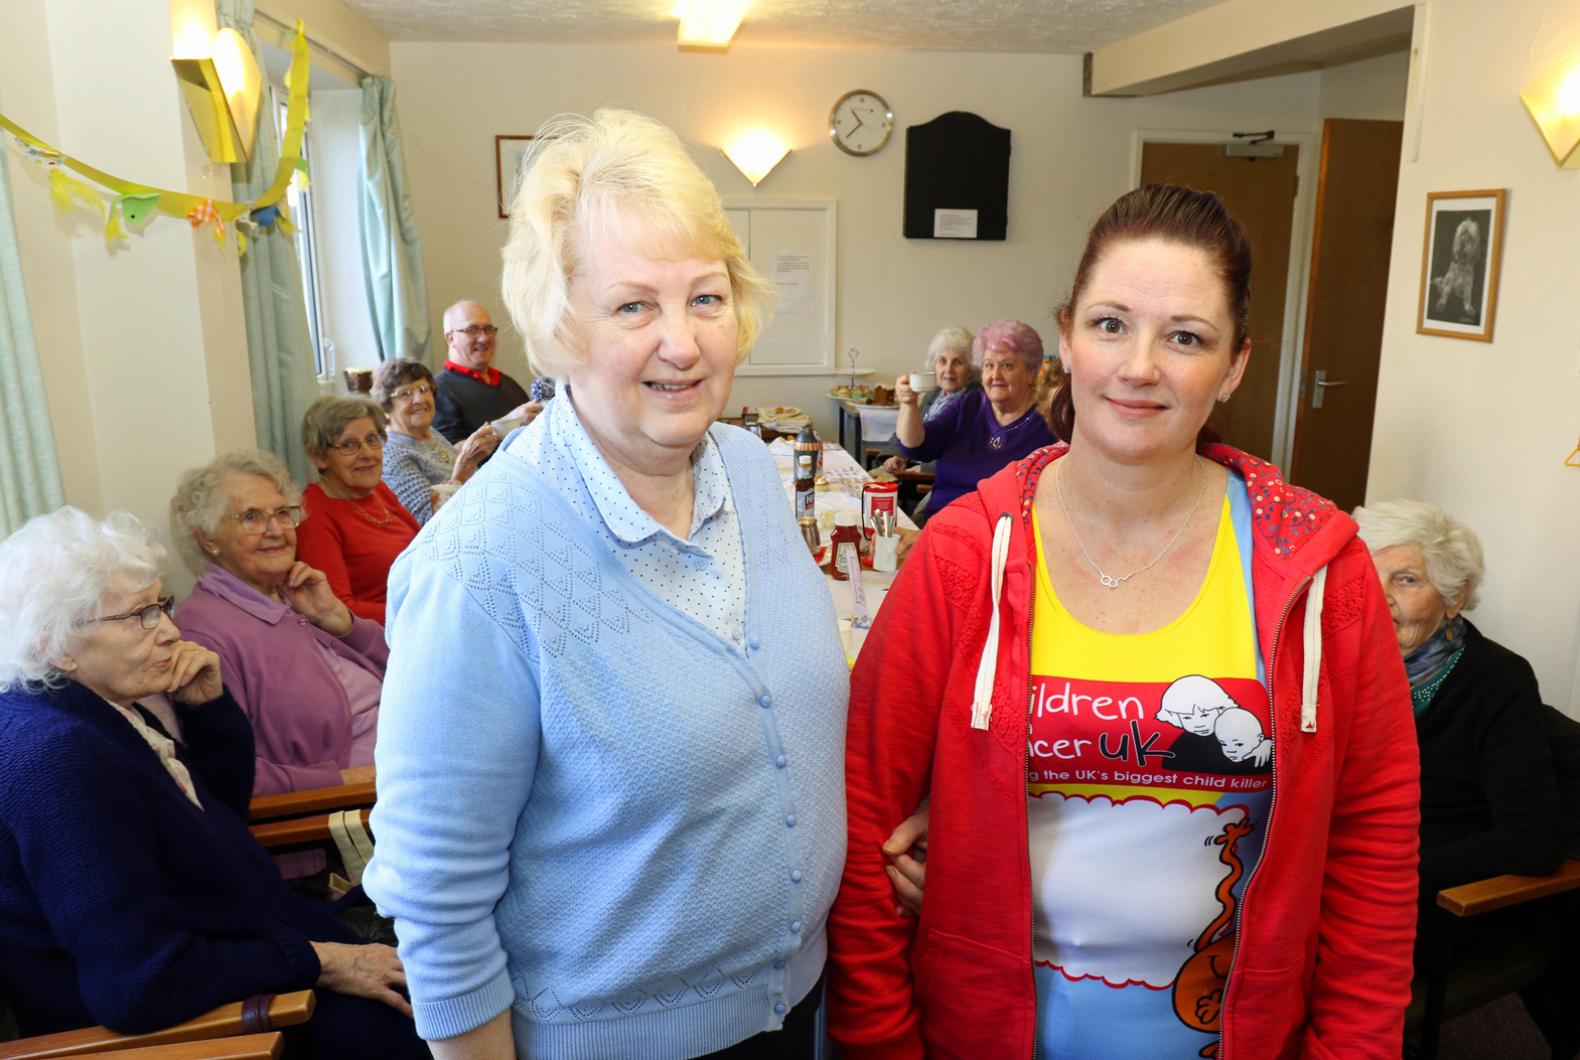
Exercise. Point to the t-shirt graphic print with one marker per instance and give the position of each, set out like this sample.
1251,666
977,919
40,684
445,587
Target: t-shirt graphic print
1148,788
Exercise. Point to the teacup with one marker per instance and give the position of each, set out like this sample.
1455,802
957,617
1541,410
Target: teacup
922,382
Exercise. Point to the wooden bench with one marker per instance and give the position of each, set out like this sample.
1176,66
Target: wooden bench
226,1021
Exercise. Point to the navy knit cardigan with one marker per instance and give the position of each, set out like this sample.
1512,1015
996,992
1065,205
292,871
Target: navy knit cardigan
121,902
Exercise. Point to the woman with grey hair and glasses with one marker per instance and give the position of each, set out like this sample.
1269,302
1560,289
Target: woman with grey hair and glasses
419,464
355,525
306,671
1489,800
131,892
949,359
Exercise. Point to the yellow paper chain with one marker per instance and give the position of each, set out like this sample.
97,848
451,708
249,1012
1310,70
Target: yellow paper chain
65,190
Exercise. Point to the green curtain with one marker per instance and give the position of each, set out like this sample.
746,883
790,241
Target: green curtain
391,249
29,473
279,345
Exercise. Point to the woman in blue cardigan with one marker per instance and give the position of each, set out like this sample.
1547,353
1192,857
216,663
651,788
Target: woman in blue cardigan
611,792
131,892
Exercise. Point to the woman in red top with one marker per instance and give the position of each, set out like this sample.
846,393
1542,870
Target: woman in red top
1133,855
355,526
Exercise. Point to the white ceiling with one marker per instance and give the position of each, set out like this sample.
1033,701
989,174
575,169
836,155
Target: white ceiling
1070,26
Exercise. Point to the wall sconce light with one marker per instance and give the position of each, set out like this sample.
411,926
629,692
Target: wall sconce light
756,153
710,24
223,90
1552,99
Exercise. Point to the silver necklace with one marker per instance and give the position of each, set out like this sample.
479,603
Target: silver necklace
1108,580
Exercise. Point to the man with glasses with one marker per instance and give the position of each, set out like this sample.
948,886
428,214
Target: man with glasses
471,391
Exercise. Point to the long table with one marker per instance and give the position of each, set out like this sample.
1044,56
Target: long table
844,478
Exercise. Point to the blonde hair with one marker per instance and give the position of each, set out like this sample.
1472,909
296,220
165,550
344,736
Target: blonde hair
598,175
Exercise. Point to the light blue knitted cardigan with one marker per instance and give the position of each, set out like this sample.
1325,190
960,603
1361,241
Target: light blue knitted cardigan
591,808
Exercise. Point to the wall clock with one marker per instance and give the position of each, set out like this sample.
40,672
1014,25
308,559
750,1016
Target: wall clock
860,123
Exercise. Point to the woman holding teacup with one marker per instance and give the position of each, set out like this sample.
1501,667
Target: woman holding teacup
946,376
979,433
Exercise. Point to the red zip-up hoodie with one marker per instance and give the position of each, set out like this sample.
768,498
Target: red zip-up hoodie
939,709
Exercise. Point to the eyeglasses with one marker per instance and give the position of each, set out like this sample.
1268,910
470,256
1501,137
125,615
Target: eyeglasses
148,614
420,390
351,446
472,331
256,520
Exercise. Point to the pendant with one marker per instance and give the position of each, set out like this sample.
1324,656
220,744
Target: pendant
996,442
1109,581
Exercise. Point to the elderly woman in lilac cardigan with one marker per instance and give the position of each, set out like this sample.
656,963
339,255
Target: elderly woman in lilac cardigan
307,673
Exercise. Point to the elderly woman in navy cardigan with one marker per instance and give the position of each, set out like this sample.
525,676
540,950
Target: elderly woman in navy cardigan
131,892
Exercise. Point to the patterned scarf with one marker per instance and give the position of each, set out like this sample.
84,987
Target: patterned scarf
944,399
1430,664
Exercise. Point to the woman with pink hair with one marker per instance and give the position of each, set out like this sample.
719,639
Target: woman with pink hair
982,432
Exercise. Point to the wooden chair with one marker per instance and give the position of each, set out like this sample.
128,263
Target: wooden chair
230,1032
312,801
1464,975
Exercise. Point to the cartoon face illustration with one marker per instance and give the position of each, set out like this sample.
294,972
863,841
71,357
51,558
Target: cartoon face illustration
1241,736
1194,703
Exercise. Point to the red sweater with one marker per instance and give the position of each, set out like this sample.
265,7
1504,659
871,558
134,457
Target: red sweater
354,543
1323,963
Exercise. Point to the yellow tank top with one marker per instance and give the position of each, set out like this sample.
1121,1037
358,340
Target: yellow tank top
1149,782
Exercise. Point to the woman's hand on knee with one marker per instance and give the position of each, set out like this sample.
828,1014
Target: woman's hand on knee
372,971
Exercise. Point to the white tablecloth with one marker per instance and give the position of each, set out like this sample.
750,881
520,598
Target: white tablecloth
845,478
877,424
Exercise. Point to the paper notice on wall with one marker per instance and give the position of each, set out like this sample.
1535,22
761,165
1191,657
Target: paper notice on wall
954,224
792,276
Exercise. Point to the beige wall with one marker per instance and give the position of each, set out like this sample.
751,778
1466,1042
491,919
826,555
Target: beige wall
44,237
1072,156
1372,88
143,344
1483,429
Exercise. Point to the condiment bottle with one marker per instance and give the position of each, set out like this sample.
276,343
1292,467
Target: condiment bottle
805,486
809,534
751,421
806,442
846,532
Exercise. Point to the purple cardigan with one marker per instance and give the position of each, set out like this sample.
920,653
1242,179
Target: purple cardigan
961,439
272,665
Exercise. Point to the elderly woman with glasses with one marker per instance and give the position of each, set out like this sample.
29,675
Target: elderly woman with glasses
131,892
355,525
306,671
1489,800
419,464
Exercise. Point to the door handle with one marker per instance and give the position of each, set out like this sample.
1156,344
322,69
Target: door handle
1320,383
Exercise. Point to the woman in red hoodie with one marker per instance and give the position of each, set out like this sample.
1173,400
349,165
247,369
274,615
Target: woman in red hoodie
1153,696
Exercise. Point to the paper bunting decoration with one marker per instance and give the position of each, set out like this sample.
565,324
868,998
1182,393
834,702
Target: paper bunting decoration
67,191
137,209
134,204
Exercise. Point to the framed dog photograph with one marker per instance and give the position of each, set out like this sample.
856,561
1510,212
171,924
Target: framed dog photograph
1460,262
507,164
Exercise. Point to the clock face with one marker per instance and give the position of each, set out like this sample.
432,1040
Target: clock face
860,123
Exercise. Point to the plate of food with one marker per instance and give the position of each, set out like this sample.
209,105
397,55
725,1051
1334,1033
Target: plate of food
865,394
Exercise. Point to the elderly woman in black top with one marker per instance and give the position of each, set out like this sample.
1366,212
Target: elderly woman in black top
1489,801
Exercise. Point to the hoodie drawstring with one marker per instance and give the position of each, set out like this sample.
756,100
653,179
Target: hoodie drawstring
1313,650
987,666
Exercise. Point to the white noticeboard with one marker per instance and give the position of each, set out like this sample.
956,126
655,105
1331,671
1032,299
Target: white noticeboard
792,243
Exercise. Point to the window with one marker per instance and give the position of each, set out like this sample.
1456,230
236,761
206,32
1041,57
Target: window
299,202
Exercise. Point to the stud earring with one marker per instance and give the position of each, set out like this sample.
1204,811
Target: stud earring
1223,399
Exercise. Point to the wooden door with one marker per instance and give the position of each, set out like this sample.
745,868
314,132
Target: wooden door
1344,307
1260,194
